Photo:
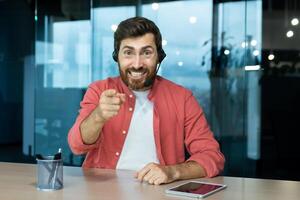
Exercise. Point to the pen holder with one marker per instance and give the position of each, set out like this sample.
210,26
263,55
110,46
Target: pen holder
49,173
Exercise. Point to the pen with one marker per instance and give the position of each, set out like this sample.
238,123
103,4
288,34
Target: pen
56,165
52,170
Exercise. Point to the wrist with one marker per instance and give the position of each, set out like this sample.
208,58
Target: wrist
98,118
175,171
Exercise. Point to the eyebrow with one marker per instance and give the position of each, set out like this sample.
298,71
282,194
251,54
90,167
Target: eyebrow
132,48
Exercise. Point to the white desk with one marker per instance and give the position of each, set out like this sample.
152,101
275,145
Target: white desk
18,181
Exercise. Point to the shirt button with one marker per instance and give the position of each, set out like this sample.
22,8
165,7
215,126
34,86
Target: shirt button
130,109
117,153
130,95
124,132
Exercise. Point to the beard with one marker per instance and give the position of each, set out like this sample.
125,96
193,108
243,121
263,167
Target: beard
137,85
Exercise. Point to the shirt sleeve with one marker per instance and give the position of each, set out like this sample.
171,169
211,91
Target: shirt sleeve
87,105
199,139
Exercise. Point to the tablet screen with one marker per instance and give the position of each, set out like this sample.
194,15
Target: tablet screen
196,188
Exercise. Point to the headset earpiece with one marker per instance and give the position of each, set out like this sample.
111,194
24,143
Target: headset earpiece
115,56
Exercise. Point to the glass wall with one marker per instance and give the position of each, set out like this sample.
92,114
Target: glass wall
213,48
63,71
234,78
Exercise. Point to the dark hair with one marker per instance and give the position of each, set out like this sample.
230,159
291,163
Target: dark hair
135,27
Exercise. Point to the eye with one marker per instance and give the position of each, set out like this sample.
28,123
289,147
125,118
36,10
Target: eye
147,53
127,52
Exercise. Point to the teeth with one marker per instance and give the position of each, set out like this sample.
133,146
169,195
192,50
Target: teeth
136,73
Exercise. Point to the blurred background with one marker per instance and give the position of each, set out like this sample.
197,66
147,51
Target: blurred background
241,59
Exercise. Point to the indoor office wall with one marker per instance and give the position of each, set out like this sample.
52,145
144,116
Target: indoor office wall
62,73
235,90
16,44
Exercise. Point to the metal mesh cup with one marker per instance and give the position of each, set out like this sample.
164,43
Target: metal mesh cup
49,173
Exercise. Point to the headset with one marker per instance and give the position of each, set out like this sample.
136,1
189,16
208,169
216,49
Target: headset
161,55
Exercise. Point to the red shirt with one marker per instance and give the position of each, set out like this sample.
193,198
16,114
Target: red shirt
178,122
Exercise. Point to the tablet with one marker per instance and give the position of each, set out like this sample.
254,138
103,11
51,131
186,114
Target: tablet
195,189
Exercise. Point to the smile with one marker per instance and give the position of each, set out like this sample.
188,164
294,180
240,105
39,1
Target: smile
137,75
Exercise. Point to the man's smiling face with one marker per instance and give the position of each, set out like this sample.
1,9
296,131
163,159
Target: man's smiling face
137,59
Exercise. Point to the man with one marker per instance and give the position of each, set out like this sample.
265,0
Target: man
141,121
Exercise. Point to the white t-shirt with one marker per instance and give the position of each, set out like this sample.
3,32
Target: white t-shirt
139,147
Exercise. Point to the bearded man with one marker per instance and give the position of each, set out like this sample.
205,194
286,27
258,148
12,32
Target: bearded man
141,121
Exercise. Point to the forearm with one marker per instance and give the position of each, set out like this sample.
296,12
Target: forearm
91,128
187,170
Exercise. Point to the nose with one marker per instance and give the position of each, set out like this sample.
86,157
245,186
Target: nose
138,62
